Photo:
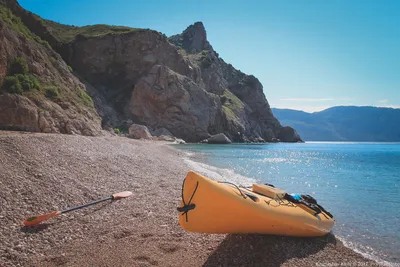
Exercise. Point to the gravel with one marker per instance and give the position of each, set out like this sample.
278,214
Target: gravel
40,173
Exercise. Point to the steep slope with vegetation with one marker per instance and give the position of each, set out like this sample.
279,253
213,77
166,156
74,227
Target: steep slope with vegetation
38,91
344,123
133,76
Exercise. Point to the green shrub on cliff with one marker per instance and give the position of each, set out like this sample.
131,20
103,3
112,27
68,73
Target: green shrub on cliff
17,25
19,83
205,60
232,101
14,22
67,33
28,82
53,60
52,92
12,85
19,79
117,131
43,42
18,66
229,113
231,105
85,98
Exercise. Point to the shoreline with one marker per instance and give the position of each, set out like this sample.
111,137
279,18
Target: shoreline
45,172
198,161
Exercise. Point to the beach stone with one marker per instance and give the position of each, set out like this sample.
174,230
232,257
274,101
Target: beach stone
179,141
138,131
166,138
18,113
288,134
219,139
170,139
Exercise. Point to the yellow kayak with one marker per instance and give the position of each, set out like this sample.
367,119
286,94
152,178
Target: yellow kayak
208,206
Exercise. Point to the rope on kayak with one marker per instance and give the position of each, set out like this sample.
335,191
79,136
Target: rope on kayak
187,207
282,202
243,195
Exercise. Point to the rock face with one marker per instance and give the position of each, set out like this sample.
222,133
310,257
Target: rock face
179,84
139,132
165,99
219,139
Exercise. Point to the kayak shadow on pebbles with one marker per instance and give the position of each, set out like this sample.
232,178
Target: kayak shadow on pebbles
265,250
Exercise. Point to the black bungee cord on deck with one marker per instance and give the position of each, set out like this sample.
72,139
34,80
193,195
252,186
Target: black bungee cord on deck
187,207
237,187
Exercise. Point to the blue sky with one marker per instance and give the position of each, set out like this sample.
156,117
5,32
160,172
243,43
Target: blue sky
308,55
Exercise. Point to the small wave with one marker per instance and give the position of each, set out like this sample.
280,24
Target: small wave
336,142
189,154
273,160
366,252
219,174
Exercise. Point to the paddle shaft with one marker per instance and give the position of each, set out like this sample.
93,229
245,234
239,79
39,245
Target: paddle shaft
40,218
86,205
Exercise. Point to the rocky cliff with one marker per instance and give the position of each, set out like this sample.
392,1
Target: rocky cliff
38,92
133,76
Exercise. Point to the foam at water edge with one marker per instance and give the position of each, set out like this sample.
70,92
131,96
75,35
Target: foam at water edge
219,174
358,248
188,153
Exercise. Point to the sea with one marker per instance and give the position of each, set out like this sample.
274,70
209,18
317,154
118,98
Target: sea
359,183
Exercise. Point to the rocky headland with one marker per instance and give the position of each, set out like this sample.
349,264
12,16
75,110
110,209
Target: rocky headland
57,78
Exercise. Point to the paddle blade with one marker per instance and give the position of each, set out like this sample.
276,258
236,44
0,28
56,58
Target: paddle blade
40,218
122,195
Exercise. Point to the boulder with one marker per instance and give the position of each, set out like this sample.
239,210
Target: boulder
165,138
170,139
288,134
179,141
219,139
137,131
258,140
18,113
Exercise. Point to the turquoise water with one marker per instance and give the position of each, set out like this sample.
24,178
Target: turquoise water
357,182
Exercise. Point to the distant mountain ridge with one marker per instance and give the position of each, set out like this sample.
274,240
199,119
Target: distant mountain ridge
344,123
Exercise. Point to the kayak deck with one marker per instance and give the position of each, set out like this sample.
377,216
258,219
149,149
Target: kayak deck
214,207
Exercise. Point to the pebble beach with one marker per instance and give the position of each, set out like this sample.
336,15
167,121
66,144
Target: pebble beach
40,173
